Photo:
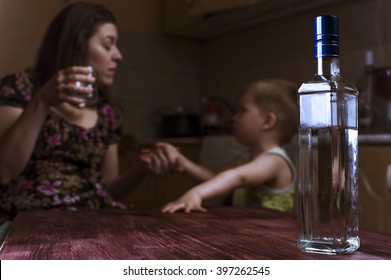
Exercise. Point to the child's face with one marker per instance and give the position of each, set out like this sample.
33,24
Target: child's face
247,121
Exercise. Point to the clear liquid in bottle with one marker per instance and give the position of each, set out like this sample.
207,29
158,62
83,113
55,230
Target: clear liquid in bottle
328,152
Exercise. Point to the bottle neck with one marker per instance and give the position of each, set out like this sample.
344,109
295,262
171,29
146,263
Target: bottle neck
328,66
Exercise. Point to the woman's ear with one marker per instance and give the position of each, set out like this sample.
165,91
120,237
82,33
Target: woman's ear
269,121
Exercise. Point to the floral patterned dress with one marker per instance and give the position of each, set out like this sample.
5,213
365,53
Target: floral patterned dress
64,170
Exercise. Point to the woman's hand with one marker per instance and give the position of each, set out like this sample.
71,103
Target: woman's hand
189,201
153,163
162,159
66,85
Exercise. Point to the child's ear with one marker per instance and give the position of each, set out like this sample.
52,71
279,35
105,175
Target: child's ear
270,121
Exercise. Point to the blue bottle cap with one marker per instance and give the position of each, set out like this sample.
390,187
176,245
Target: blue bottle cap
326,36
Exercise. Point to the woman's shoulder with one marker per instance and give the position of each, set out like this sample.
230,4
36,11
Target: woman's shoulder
16,89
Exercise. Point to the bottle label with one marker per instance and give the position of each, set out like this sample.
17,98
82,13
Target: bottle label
327,109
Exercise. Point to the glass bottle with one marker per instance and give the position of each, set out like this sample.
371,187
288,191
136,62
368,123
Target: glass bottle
328,151
365,87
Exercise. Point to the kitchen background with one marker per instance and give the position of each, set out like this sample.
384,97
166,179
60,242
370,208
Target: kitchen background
178,51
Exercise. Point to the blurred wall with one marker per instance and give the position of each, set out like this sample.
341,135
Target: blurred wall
22,25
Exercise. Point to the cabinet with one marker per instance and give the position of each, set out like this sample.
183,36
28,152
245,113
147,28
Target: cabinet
201,19
374,191
177,15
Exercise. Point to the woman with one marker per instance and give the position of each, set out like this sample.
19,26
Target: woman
54,154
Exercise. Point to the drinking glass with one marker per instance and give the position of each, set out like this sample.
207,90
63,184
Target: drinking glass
92,97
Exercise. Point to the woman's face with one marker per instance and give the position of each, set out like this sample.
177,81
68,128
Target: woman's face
247,121
103,54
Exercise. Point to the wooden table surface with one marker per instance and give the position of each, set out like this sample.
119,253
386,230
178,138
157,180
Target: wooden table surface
221,233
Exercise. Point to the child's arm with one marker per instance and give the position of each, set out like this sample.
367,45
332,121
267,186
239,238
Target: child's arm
263,169
196,172
165,157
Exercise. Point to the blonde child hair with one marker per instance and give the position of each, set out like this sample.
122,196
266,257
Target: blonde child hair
280,97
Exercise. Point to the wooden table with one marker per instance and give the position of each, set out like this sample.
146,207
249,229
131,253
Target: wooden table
221,233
